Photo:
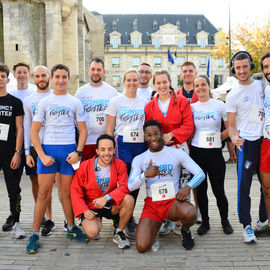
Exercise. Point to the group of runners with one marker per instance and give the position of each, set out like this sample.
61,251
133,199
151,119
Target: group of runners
99,147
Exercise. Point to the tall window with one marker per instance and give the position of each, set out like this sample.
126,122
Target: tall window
157,43
203,61
180,43
115,43
115,61
136,61
203,42
220,62
136,43
116,81
157,61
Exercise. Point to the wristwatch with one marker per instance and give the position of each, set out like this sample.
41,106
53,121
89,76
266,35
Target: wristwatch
18,151
79,153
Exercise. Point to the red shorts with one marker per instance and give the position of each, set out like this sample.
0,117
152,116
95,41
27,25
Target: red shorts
265,156
89,151
156,210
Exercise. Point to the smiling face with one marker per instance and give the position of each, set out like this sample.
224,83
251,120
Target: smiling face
131,82
4,80
60,81
201,88
96,72
153,137
266,68
242,70
145,75
22,75
188,74
41,78
162,84
105,152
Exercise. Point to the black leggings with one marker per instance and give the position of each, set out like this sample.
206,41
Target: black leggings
12,179
212,162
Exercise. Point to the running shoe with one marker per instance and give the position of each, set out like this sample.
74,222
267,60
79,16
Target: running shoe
177,229
49,226
249,236
155,246
263,232
9,224
203,229
18,231
76,233
166,227
120,239
227,227
259,225
130,230
33,244
187,240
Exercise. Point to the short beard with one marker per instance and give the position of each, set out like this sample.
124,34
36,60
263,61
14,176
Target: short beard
266,76
97,81
45,87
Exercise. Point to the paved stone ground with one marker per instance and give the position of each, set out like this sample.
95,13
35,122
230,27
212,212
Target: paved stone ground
212,251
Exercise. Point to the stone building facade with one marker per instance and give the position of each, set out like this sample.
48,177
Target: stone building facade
134,39
49,32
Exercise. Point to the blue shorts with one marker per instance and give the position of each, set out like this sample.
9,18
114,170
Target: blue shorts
128,151
28,170
59,153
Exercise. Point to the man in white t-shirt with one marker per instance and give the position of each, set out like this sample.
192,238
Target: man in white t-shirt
95,97
30,106
145,75
246,118
22,74
58,151
265,149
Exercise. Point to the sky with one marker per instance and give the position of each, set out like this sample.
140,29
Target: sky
216,11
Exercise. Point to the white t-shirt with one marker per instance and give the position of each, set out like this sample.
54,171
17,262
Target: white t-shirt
30,107
247,102
128,112
169,160
266,128
207,117
95,100
102,176
164,105
22,94
60,113
145,93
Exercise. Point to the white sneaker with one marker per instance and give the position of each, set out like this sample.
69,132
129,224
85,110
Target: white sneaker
18,231
259,225
249,236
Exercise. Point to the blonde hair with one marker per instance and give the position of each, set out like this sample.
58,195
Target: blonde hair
130,71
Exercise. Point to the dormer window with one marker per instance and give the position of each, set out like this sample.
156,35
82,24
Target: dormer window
135,24
155,25
114,24
178,24
199,25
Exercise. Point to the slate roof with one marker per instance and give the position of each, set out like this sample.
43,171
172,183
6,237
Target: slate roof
188,25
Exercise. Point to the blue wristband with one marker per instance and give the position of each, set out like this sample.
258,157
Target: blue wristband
108,197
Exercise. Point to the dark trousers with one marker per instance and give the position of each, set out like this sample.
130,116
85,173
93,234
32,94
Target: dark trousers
248,163
212,163
12,179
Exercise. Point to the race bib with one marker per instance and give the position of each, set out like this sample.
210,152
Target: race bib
162,191
266,129
97,119
209,139
4,128
257,114
133,134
